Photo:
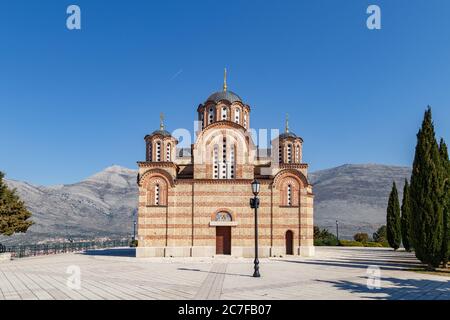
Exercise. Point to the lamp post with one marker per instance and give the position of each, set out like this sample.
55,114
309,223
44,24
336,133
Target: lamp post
337,231
134,226
254,204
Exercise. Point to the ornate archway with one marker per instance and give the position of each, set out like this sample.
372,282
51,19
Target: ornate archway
223,232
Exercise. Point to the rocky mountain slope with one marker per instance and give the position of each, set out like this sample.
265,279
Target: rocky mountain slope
100,206
356,196
103,205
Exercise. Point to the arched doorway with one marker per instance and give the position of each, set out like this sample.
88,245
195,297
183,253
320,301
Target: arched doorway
289,242
223,233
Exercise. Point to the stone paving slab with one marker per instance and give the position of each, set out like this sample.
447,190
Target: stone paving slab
334,273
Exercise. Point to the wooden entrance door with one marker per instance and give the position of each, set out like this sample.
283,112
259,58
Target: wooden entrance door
223,240
289,242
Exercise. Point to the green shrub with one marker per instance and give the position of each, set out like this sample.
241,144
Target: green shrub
325,242
384,244
324,238
361,237
373,244
133,244
381,235
369,244
350,243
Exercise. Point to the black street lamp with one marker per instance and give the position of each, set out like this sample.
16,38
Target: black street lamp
254,204
134,226
337,231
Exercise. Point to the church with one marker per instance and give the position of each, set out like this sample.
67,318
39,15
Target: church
195,202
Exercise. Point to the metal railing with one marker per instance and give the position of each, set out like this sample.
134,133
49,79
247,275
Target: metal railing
23,251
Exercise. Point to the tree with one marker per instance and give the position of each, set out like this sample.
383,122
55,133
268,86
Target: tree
426,193
406,218
361,237
14,217
380,235
443,151
316,232
393,232
324,237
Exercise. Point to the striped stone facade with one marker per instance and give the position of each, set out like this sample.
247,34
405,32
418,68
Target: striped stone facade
185,198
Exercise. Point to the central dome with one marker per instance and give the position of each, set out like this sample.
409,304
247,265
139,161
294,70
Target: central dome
224,95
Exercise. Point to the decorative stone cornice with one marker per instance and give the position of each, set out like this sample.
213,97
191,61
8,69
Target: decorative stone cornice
209,103
293,165
221,181
289,138
156,172
290,173
150,164
160,136
224,124
223,224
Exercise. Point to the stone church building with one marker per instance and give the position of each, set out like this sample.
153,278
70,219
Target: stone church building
195,202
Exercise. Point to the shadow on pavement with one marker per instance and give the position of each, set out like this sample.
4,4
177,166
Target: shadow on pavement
354,263
227,274
398,289
115,252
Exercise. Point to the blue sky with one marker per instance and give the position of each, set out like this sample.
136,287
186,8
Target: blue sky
75,102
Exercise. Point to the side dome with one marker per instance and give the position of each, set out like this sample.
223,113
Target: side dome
288,135
160,145
164,133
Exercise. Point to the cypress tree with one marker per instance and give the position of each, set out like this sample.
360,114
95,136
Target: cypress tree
14,217
446,201
426,192
406,218
393,219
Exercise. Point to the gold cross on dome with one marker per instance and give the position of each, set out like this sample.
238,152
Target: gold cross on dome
161,121
287,123
225,80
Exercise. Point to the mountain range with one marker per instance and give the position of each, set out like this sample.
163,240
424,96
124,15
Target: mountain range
103,205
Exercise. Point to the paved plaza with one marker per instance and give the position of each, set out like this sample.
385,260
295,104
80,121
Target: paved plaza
334,273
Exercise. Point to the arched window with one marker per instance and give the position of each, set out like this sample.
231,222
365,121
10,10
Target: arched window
158,151
156,192
224,161
297,154
224,113
237,116
216,161
289,195
280,154
202,119
210,115
232,162
289,153
223,166
149,152
169,152
157,195
245,120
